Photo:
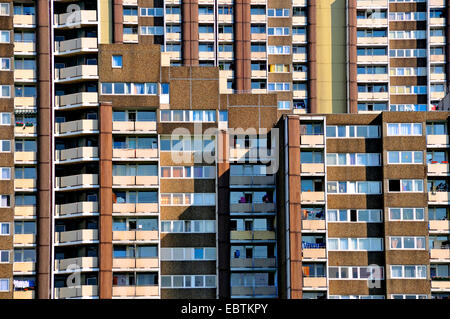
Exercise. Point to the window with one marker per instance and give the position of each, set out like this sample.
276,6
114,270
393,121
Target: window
436,128
278,12
409,296
356,297
188,199
118,88
25,173
4,36
116,61
405,157
4,9
24,227
357,131
152,12
187,116
4,284
311,157
188,172
360,187
24,145
353,159
135,170
5,228
135,197
278,31
188,281
405,185
355,215
5,64
408,272
188,254
438,213
152,30
405,214
284,105
5,173
279,49
188,226
5,91
356,272
355,244
407,243
404,129
4,257
24,255
279,86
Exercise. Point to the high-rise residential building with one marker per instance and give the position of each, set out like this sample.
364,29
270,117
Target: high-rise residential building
174,149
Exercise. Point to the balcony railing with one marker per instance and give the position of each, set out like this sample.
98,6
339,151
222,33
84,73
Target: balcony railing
76,100
81,180
21,184
24,239
135,235
135,263
135,291
138,126
82,17
442,226
24,267
252,207
253,262
252,180
138,208
24,294
78,153
315,282
75,127
255,291
252,235
77,72
24,20
25,211
312,140
77,208
83,263
76,45
76,291
135,180
25,157
141,153
81,235
437,140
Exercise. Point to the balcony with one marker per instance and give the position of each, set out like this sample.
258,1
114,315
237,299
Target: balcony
135,291
25,130
76,73
77,127
300,94
369,59
26,294
252,235
312,169
372,23
250,153
228,18
24,184
437,77
138,181
252,180
437,58
313,225
263,291
437,40
437,141
139,208
131,127
28,211
314,254
76,100
77,181
130,19
135,235
24,239
25,102
84,291
130,38
173,36
140,153
372,77
82,17
82,263
440,285
24,21
205,18
258,55
299,20
173,18
76,154
440,255
372,41
252,207
299,3
24,48
206,55
23,75
312,197
299,38
314,283
299,76
24,267
124,264
437,95
25,157
76,208
253,263
260,74
258,37
76,236
372,4
78,45
438,169
439,226
439,198
130,2
373,95
299,57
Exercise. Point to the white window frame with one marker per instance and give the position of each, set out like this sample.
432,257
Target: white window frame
357,156
355,186
1,228
5,4
3,280
404,296
1,91
414,188
416,270
202,225
190,197
8,172
402,214
6,122
355,131
6,32
357,241
1,64
113,61
402,238
372,212
400,157
204,170
399,131
191,279
350,272
188,253
8,258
